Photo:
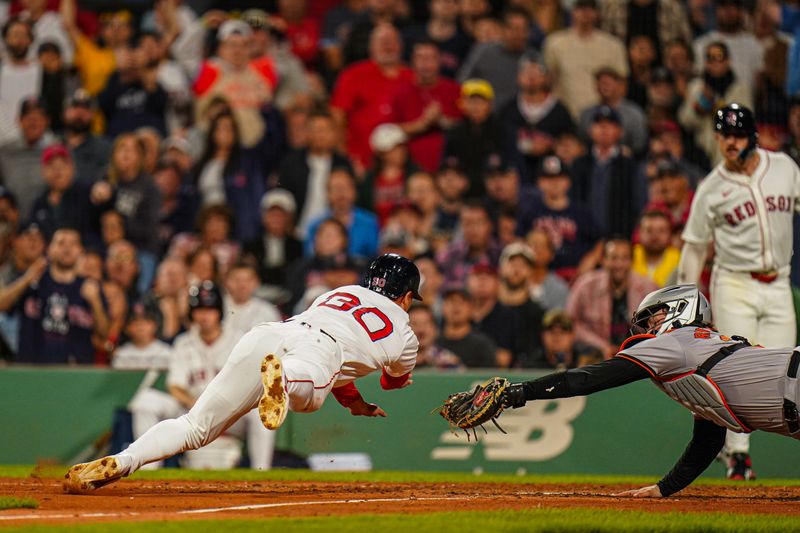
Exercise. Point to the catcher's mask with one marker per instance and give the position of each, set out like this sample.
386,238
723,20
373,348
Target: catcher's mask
669,308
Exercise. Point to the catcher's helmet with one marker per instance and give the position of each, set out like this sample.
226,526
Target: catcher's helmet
205,296
736,119
681,304
392,275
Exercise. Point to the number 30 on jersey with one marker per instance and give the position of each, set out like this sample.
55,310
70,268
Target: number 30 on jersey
373,320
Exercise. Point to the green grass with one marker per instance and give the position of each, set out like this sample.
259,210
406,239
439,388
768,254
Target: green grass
10,502
21,471
550,520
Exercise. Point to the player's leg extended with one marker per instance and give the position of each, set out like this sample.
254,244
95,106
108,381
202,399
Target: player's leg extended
777,325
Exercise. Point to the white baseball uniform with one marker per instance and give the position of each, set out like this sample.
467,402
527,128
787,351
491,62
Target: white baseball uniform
346,333
242,318
749,218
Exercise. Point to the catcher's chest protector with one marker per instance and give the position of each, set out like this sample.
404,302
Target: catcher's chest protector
702,396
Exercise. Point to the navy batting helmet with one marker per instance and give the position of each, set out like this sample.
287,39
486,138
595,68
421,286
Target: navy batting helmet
205,296
736,119
392,275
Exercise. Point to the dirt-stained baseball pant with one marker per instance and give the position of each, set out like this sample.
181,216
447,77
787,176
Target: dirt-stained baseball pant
761,312
237,389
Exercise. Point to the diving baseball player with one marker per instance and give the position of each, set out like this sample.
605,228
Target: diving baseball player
724,381
745,206
345,334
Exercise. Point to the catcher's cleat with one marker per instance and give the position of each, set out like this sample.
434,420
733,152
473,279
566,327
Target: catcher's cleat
273,405
740,467
93,475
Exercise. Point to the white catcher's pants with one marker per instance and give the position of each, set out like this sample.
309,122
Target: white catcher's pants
761,312
308,359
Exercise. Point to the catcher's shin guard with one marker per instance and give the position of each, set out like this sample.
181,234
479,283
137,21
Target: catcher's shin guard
274,403
93,475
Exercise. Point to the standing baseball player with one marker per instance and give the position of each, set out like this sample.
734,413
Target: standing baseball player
285,366
724,381
745,206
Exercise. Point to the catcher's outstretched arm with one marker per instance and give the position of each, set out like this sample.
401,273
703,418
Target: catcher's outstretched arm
577,382
707,440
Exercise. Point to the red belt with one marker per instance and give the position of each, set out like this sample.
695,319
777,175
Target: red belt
764,277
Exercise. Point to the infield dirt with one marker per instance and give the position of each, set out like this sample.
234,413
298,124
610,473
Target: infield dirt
137,500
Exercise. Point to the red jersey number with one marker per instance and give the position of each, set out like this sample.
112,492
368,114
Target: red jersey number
343,301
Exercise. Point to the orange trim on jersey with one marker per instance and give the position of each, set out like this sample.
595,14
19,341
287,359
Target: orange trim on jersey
679,376
633,338
641,364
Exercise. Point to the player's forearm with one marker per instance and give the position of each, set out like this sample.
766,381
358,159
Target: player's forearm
707,440
586,380
389,382
693,257
347,395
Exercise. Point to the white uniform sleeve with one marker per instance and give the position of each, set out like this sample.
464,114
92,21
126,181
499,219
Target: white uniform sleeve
699,228
179,369
408,358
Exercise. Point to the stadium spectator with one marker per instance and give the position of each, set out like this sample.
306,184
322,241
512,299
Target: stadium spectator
59,309
128,190
305,172
247,84
534,118
606,177
479,134
453,186
458,336
505,190
65,202
654,256
20,76
327,273
338,22
717,85
361,225
672,194
151,141
514,292
203,265
21,158
745,51
560,348
56,83
601,302
365,91
143,350
301,31
90,152
489,316
179,202
112,228
679,62
428,106
215,225
574,54
358,42
476,245
242,309
661,20
611,87
496,62
473,11
47,28
434,280
277,248
168,299
330,239
548,289
429,353
661,99
122,267
442,30
170,77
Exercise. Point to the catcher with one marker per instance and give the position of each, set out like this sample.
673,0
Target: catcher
724,381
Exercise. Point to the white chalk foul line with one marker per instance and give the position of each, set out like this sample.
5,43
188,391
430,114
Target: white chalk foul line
232,508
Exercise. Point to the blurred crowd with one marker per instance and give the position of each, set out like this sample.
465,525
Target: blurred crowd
536,158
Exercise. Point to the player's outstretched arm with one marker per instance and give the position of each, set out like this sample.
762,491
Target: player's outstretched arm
349,397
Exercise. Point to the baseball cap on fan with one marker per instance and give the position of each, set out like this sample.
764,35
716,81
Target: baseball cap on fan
517,249
278,198
54,151
552,166
477,87
233,27
386,137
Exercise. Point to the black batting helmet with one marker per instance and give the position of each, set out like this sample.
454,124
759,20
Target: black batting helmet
736,119
392,275
205,296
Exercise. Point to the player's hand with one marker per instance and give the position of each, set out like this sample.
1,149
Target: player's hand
407,384
362,408
650,491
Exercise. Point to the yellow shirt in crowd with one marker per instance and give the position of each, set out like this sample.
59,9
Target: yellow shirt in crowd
662,271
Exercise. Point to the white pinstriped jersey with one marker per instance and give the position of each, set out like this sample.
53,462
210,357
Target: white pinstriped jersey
748,217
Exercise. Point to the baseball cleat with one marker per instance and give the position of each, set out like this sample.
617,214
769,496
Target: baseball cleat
273,405
740,467
93,475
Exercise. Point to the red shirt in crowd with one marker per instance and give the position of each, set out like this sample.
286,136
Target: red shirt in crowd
303,36
366,95
410,101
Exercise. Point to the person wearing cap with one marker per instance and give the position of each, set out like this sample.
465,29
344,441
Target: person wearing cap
611,89
672,193
458,335
569,224
278,247
606,178
384,183
20,159
718,85
479,134
505,190
746,51
65,202
660,20
247,84
534,118
661,96
560,349
90,152
575,53
453,187
477,243
364,92
21,75
496,62
493,318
